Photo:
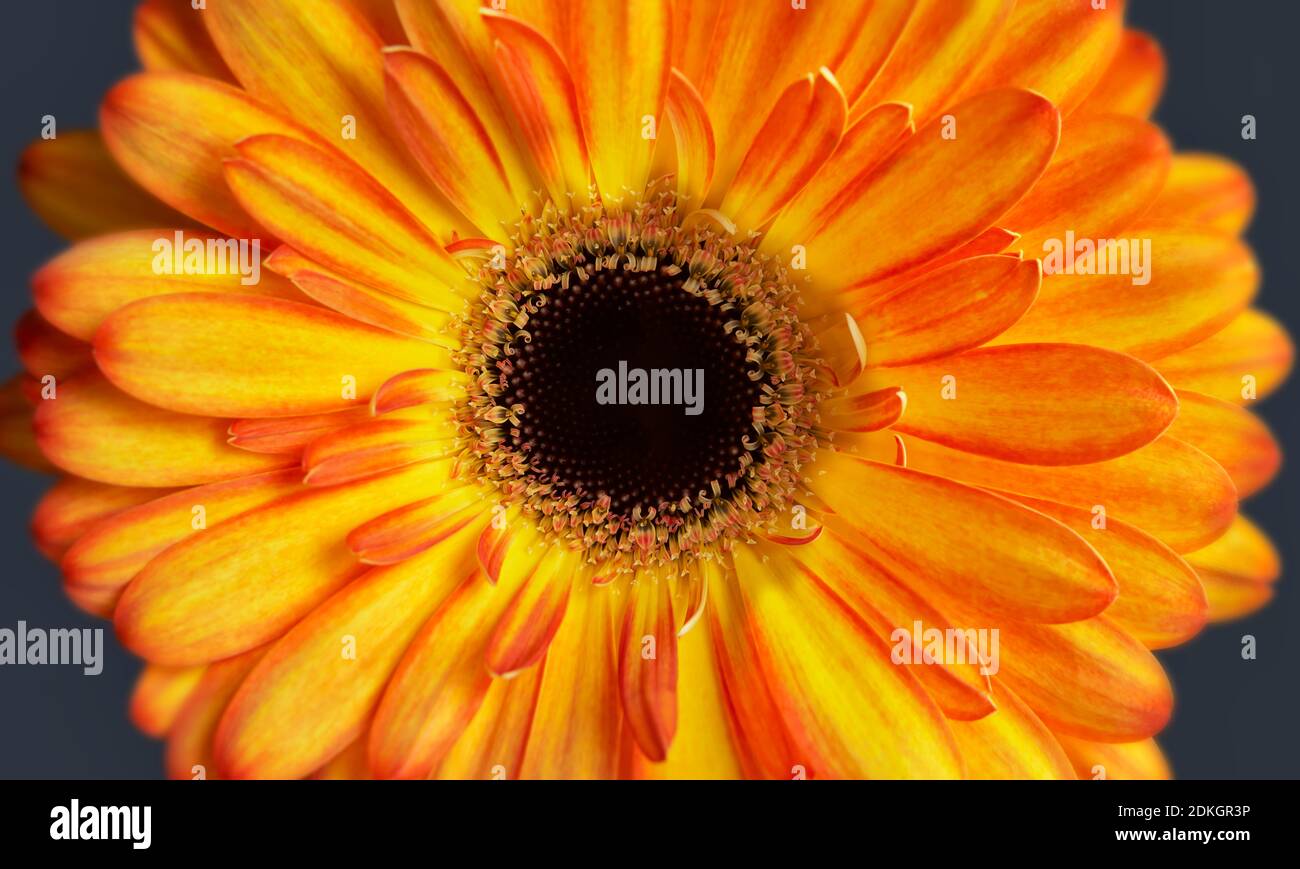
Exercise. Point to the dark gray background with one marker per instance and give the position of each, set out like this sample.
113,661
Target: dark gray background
1234,718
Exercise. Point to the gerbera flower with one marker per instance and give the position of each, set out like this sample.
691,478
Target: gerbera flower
364,515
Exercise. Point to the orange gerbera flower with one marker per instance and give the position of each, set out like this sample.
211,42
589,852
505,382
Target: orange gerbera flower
647,388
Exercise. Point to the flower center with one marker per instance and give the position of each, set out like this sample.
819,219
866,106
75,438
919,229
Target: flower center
641,386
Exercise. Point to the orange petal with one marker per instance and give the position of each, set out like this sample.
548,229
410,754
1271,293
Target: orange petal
521,637
334,75
171,132
1105,173
942,42
1050,575
1198,281
443,132
863,147
1060,50
703,747
79,288
412,388
842,349
1011,743
331,669
1207,189
358,301
439,684
111,553
933,193
195,602
950,309
1116,404
96,431
1089,679
44,350
870,411
327,208
73,185
538,88
1160,602
1235,438
159,694
17,434
886,603
246,356
851,38
647,664
289,435
1133,82
170,37
1237,570
1248,359
618,56
799,135
693,137
492,746
834,684
408,531
376,446
1121,761
576,728
72,506
189,744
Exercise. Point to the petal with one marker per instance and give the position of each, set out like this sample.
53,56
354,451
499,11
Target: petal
95,431
528,625
17,434
1168,488
1133,82
693,137
1235,438
870,411
647,664
376,446
949,310
44,350
538,88
409,530
189,744
798,136
576,730
618,56
196,602
443,132
1105,173
942,42
1071,404
1197,281
335,73
1161,601
934,194
1207,189
171,132
703,747
170,37
833,683
492,746
1237,570
439,684
1011,743
111,553
73,185
72,506
159,694
1089,679
1050,574
330,210
330,670
289,435
79,288
245,356
1121,761
1248,359
412,388
1059,50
